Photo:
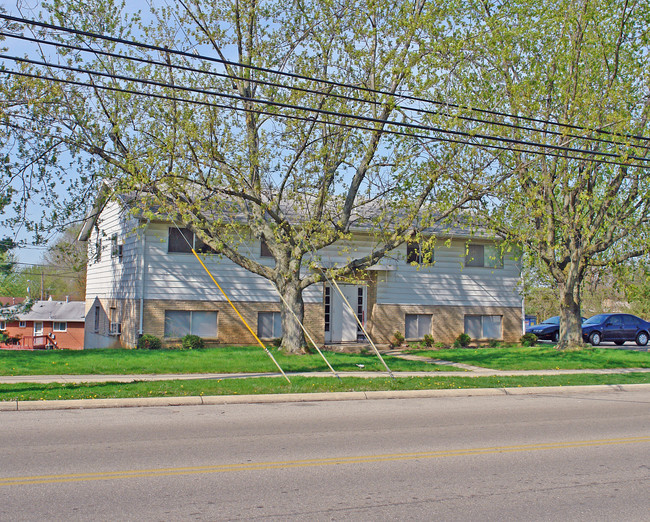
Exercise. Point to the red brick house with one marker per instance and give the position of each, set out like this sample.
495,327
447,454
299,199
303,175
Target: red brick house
54,324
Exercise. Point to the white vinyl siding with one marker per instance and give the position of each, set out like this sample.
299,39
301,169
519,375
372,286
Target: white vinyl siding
449,282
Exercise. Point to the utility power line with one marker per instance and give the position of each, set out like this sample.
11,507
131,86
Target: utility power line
364,119
186,54
306,90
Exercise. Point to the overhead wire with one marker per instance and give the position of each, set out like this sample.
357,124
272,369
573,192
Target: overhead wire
333,113
212,59
306,90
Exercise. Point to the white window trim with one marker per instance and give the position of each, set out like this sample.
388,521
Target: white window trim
55,323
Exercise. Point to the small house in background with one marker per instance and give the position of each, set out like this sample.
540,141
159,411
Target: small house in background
46,324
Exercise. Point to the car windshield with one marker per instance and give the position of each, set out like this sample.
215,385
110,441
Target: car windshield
596,319
552,320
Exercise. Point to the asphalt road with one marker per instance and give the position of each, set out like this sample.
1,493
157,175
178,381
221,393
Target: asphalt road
565,457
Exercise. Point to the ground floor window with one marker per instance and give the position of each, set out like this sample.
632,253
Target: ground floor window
59,326
38,328
269,325
179,323
3,325
483,326
417,326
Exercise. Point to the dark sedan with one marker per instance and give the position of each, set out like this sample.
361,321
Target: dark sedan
547,330
616,328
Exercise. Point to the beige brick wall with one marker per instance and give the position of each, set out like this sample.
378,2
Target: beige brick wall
230,329
447,321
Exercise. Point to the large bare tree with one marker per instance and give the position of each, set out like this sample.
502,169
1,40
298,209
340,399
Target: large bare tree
227,150
575,73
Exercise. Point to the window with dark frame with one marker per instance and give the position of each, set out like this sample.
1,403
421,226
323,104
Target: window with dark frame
487,256
328,297
114,249
417,253
182,240
96,318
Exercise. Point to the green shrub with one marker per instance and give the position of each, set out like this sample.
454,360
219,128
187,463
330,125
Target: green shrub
529,339
149,342
428,340
192,342
398,340
493,343
462,341
439,344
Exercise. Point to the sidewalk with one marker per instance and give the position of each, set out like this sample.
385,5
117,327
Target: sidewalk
465,371
470,371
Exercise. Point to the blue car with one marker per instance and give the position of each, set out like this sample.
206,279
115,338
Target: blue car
616,328
547,330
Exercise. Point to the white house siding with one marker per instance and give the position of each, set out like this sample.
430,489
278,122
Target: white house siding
179,276
449,283
113,282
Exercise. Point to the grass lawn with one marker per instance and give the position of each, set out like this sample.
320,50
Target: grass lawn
542,357
211,360
266,385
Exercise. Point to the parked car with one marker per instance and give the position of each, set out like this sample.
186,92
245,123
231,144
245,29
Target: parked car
616,328
547,330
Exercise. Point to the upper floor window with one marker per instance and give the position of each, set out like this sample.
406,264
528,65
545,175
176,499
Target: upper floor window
488,256
3,325
183,240
418,252
116,248
22,324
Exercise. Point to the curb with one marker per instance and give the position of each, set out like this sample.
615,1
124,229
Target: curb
76,404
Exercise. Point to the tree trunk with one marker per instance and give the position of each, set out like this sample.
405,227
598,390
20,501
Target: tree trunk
293,338
570,315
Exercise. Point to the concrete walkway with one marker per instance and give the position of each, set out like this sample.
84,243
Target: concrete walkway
465,371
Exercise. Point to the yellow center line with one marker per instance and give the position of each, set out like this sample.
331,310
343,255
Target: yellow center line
360,459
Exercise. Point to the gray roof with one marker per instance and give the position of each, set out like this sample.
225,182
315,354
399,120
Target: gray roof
72,311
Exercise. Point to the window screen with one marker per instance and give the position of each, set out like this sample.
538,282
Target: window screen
179,323
269,325
417,326
483,326
180,240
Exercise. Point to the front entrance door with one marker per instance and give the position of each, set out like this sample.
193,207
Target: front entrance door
343,324
38,328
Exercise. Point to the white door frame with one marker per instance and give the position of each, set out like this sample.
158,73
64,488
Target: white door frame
40,331
343,326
